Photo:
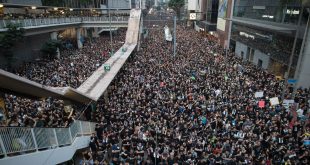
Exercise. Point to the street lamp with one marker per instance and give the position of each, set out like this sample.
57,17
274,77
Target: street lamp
157,130
111,40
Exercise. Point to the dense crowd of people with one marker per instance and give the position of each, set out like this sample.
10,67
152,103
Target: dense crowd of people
71,69
197,108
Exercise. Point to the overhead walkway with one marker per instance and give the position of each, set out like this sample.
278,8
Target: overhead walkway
44,146
94,86
98,82
45,25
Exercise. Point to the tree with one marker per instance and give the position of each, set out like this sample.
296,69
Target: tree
8,39
176,5
49,49
53,2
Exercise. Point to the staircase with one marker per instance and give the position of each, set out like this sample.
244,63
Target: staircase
46,146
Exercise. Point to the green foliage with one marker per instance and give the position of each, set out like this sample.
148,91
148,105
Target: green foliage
8,40
10,37
49,48
53,2
176,5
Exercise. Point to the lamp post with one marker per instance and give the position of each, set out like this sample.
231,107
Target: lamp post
230,25
174,35
156,144
111,40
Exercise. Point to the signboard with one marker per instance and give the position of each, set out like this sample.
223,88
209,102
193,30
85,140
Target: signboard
291,81
107,67
222,13
221,24
274,101
261,104
192,16
168,35
192,5
287,103
259,94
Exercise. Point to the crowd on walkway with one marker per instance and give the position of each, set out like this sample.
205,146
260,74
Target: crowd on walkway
197,108
72,68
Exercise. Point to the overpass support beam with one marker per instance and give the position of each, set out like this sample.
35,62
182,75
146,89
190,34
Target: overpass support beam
54,35
95,32
79,38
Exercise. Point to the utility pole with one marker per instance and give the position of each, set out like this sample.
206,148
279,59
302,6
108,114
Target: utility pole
174,35
229,30
112,51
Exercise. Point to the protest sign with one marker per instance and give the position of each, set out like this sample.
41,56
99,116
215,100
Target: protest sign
259,94
274,101
287,103
261,104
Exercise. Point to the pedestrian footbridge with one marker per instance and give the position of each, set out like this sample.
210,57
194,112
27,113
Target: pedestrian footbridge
43,146
50,146
45,25
94,86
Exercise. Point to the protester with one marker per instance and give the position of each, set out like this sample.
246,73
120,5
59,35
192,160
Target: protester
72,69
198,107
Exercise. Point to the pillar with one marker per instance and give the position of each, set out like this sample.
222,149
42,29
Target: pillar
85,32
106,96
302,73
95,32
79,37
54,35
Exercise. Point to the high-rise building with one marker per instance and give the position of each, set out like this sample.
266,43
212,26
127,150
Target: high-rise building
273,35
203,13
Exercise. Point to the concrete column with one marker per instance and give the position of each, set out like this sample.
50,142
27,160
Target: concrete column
95,32
85,32
303,71
106,96
78,38
54,37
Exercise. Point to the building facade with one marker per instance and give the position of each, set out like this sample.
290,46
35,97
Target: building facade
271,34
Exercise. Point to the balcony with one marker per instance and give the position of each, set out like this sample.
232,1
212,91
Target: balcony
20,145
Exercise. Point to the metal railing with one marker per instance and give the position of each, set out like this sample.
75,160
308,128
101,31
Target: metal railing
58,21
19,140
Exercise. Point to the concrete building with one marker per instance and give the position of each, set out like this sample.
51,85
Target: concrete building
271,34
203,13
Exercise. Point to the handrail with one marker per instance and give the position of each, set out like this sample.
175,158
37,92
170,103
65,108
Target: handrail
19,140
62,20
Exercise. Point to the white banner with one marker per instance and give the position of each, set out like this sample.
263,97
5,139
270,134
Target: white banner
168,35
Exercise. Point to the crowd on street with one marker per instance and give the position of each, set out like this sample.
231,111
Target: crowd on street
198,107
72,68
